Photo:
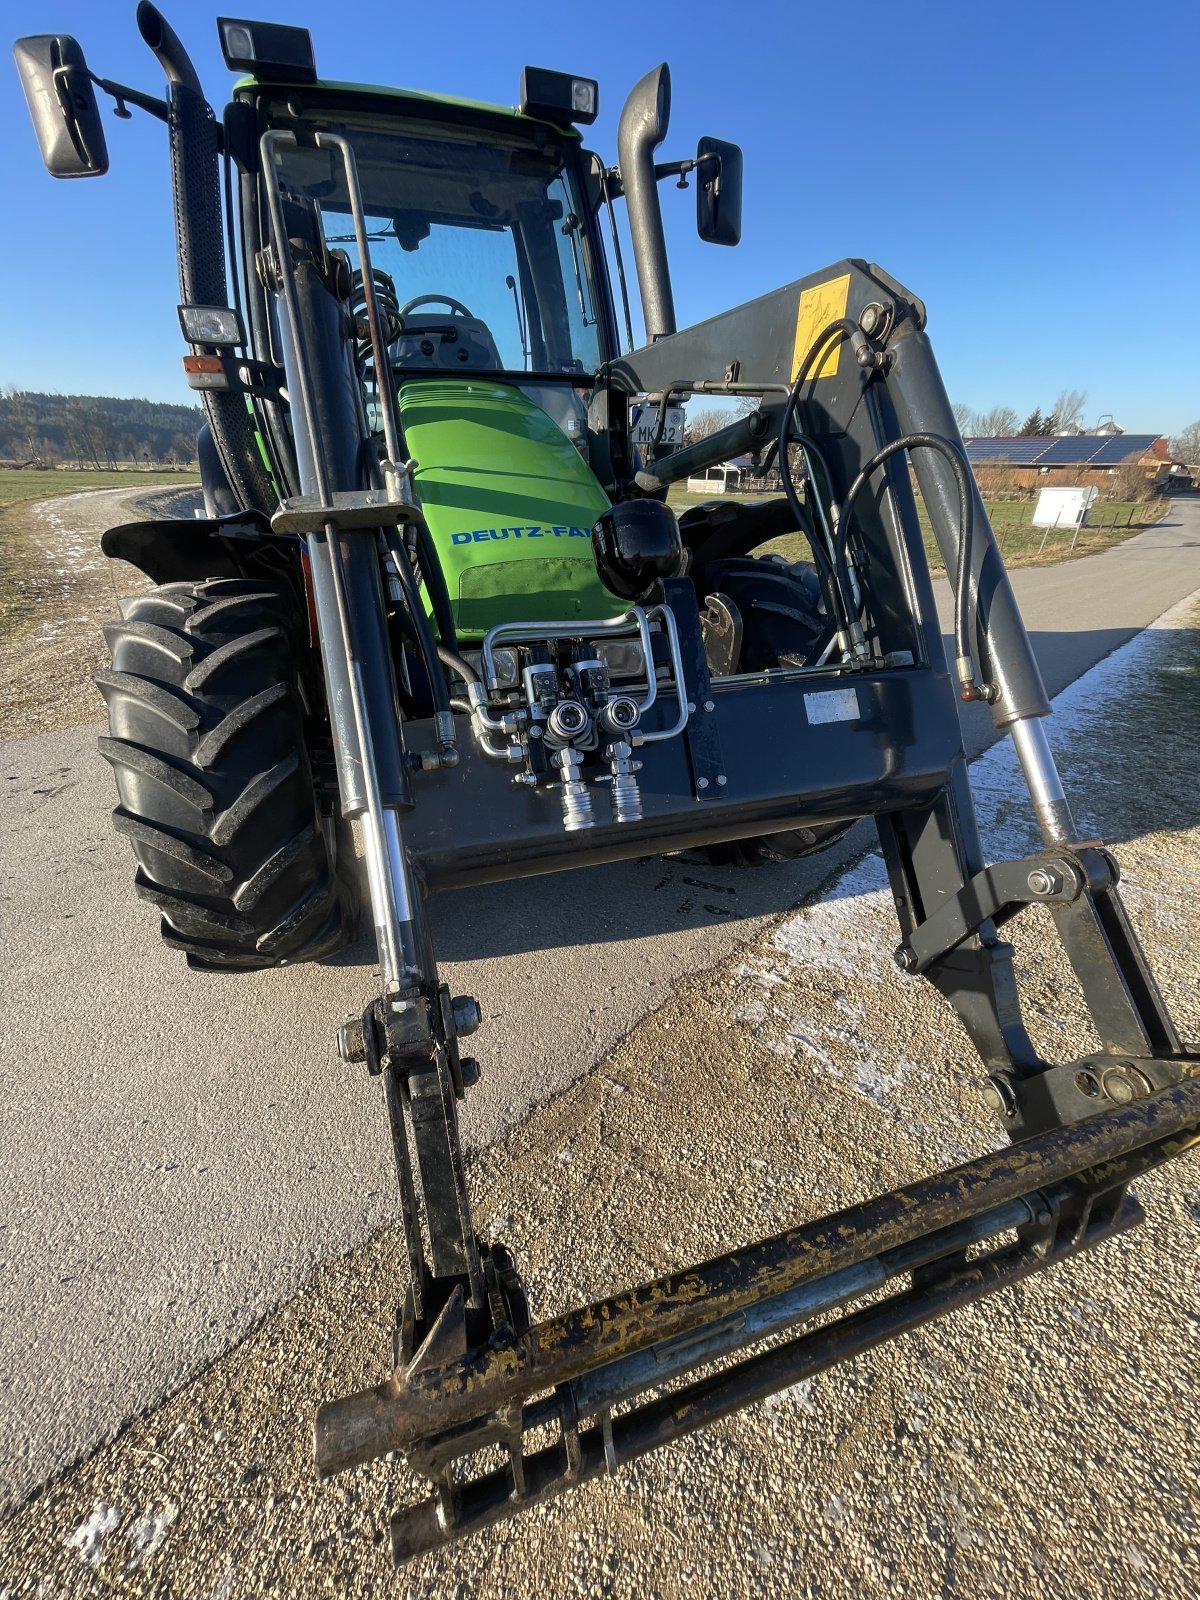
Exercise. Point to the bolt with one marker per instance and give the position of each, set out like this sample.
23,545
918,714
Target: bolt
464,1008
722,780
905,958
470,1071
1124,1084
872,318
702,783
998,1096
352,1047
710,705
1044,880
691,708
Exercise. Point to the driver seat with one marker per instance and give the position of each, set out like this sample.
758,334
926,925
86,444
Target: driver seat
425,341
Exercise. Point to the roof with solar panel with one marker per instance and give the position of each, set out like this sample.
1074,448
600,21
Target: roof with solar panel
1080,450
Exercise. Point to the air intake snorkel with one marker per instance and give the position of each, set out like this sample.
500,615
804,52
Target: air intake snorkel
643,127
200,244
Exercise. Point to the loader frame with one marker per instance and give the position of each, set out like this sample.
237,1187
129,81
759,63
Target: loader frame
471,1373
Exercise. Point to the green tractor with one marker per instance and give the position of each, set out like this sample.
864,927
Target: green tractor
438,592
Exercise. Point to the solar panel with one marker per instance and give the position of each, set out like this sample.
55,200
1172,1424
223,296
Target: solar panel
1071,452
1121,447
1022,452
1080,450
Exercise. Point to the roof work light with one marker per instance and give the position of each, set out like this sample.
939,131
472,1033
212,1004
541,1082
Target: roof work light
271,51
558,97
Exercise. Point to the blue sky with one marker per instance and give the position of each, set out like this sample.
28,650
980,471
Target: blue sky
1029,170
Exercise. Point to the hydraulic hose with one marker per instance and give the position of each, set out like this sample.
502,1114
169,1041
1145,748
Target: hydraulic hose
932,441
834,574
435,583
426,645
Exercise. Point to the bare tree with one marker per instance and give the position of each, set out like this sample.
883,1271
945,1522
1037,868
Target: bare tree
1068,409
964,415
1000,422
1185,446
701,423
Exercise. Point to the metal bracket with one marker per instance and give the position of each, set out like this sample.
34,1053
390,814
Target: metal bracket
702,732
998,893
347,508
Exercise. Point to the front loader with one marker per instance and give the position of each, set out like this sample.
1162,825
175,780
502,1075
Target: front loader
438,593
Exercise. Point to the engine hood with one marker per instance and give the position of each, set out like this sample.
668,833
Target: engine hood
510,504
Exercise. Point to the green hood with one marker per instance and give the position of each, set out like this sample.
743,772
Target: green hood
510,504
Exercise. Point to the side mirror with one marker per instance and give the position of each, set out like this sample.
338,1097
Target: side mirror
719,191
62,104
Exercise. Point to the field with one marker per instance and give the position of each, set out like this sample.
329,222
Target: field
1020,542
21,559
57,588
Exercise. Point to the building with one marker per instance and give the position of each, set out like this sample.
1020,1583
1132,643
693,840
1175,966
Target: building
1037,461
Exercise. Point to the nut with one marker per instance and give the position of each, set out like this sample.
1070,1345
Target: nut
1045,880
464,1008
470,1071
352,1047
998,1096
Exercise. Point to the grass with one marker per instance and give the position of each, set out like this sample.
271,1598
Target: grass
27,484
1021,544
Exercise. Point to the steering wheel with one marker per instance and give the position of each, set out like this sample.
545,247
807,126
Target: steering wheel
436,299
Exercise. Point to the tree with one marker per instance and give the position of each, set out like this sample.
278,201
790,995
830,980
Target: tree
1185,446
1034,423
965,417
998,423
702,423
1068,408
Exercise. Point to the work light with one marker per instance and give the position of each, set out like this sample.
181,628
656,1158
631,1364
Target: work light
271,51
558,97
219,326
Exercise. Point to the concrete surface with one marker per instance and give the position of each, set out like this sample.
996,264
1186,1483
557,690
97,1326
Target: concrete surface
1042,1444
180,1150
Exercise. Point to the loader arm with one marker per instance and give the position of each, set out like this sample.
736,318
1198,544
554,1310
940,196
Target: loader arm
471,1372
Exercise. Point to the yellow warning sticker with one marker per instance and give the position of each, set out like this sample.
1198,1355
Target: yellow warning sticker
819,306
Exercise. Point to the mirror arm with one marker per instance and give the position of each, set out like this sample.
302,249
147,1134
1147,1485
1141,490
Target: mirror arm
144,102
680,169
614,189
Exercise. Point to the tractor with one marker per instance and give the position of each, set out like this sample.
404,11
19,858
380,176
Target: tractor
437,596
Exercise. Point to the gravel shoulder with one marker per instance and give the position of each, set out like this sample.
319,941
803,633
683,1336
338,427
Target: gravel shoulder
1044,1443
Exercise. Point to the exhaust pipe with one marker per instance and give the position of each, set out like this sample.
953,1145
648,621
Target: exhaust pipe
642,128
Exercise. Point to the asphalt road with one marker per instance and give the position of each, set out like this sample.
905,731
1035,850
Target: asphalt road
179,1150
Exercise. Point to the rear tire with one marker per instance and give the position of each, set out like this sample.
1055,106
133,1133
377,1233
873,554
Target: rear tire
206,740
779,604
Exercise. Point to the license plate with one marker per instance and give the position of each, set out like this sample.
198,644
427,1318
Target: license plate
643,420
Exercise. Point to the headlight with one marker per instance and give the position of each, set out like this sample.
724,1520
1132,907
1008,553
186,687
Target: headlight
215,325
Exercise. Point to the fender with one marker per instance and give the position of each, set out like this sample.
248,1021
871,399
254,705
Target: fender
190,549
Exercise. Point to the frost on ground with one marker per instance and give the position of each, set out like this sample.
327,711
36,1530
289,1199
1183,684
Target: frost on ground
1045,1443
91,1533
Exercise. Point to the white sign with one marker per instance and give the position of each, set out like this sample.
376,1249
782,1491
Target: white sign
1063,508
832,705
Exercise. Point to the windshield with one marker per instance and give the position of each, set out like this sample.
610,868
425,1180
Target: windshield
476,235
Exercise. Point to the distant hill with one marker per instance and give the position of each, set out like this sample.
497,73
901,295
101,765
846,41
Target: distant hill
86,430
